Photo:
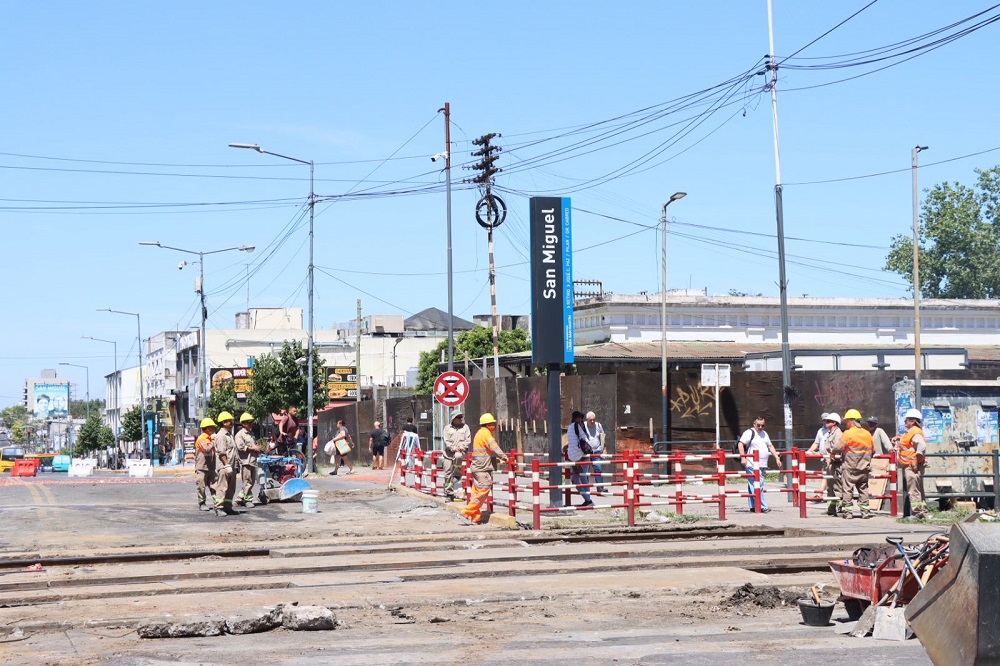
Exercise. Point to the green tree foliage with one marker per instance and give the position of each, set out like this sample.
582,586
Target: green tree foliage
93,436
280,381
223,399
132,425
959,241
11,415
78,408
477,342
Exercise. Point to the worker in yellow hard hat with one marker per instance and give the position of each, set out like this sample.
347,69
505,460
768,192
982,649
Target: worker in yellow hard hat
226,465
204,464
485,455
247,450
857,447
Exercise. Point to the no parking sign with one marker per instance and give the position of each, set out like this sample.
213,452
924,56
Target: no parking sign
451,389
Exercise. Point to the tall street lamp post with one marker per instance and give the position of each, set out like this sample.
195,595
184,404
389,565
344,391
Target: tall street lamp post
142,382
115,376
76,365
918,361
309,352
203,356
663,318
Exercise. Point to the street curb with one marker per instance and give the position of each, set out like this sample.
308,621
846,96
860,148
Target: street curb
496,520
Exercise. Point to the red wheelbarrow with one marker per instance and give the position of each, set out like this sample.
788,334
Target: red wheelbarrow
861,586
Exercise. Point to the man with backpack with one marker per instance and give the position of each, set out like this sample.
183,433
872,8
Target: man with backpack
578,451
756,440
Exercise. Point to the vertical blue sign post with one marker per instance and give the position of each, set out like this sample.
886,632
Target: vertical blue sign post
552,309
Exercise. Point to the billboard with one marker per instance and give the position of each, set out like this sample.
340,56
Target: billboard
51,401
342,382
242,379
551,250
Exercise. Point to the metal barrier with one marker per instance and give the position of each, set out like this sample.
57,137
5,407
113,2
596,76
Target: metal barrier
804,497
984,494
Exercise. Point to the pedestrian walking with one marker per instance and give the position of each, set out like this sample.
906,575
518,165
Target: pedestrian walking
247,450
819,446
757,440
911,451
409,427
288,431
596,438
486,454
378,442
856,443
879,438
342,447
834,462
204,464
225,468
457,439
409,448
578,451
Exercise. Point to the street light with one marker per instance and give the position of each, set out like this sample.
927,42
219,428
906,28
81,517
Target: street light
918,362
309,351
142,384
395,344
117,391
202,357
663,316
75,365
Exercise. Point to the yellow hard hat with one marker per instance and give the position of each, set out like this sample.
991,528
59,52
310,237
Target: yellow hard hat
208,423
853,414
486,419
247,416
225,416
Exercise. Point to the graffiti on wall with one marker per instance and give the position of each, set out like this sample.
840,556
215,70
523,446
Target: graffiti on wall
693,401
534,406
843,392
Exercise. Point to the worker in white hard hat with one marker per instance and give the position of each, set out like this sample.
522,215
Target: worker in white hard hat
911,449
833,460
819,445
457,440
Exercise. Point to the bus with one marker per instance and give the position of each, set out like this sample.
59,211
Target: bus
8,455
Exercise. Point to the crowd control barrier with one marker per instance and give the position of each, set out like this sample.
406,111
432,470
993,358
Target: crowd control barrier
82,467
807,495
140,468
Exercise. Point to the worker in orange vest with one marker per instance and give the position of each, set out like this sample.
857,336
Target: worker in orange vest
485,455
910,451
204,464
858,448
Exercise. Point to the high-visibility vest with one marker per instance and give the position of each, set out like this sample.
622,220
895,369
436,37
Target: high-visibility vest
203,446
906,456
484,450
858,441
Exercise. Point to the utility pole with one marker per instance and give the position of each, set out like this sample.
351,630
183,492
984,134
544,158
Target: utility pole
786,353
917,360
494,210
451,300
357,351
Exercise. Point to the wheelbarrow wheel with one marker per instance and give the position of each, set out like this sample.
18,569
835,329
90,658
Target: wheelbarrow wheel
262,497
855,608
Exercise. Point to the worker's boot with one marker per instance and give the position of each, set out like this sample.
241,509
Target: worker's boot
204,507
831,509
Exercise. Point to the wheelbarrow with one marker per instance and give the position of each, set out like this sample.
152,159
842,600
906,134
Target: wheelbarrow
861,586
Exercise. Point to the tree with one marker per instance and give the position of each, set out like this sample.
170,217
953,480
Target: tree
93,436
477,342
280,381
132,425
78,408
959,241
223,399
11,415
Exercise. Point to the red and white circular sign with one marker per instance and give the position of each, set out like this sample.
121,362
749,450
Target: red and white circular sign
451,389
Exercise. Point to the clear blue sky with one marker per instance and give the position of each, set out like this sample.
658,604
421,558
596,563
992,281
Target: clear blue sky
113,110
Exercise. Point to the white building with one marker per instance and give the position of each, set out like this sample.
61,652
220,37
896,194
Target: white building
121,393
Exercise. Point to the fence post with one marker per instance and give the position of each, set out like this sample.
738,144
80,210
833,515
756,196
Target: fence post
536,494
467,475
512,484
794,466
630,487
434,475
802,484
996,479
418,471
893,490
720,467
758,484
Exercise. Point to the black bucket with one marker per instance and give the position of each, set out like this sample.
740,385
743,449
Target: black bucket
816,616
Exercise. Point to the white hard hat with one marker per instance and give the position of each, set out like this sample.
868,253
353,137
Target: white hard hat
913,414
833,416
822,417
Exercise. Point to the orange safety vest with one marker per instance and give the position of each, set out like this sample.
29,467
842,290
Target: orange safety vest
858,441
484,449
203,446
906,455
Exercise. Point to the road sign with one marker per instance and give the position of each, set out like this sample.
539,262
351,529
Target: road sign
451,389
715,374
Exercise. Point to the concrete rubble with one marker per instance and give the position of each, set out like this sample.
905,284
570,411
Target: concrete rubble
289,616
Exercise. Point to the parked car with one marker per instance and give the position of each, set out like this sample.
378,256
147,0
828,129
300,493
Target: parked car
61,463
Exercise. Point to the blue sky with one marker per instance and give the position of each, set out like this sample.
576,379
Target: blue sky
117,118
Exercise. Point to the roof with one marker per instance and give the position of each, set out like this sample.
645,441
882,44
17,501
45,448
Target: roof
433,319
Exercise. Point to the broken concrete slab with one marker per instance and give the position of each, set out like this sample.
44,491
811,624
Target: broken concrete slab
308,618
255,622
184,628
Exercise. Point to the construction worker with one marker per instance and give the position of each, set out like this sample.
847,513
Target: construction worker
226,461
833,460
457,439
204,464
858,448
485,454
910,451
881,440
247,450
